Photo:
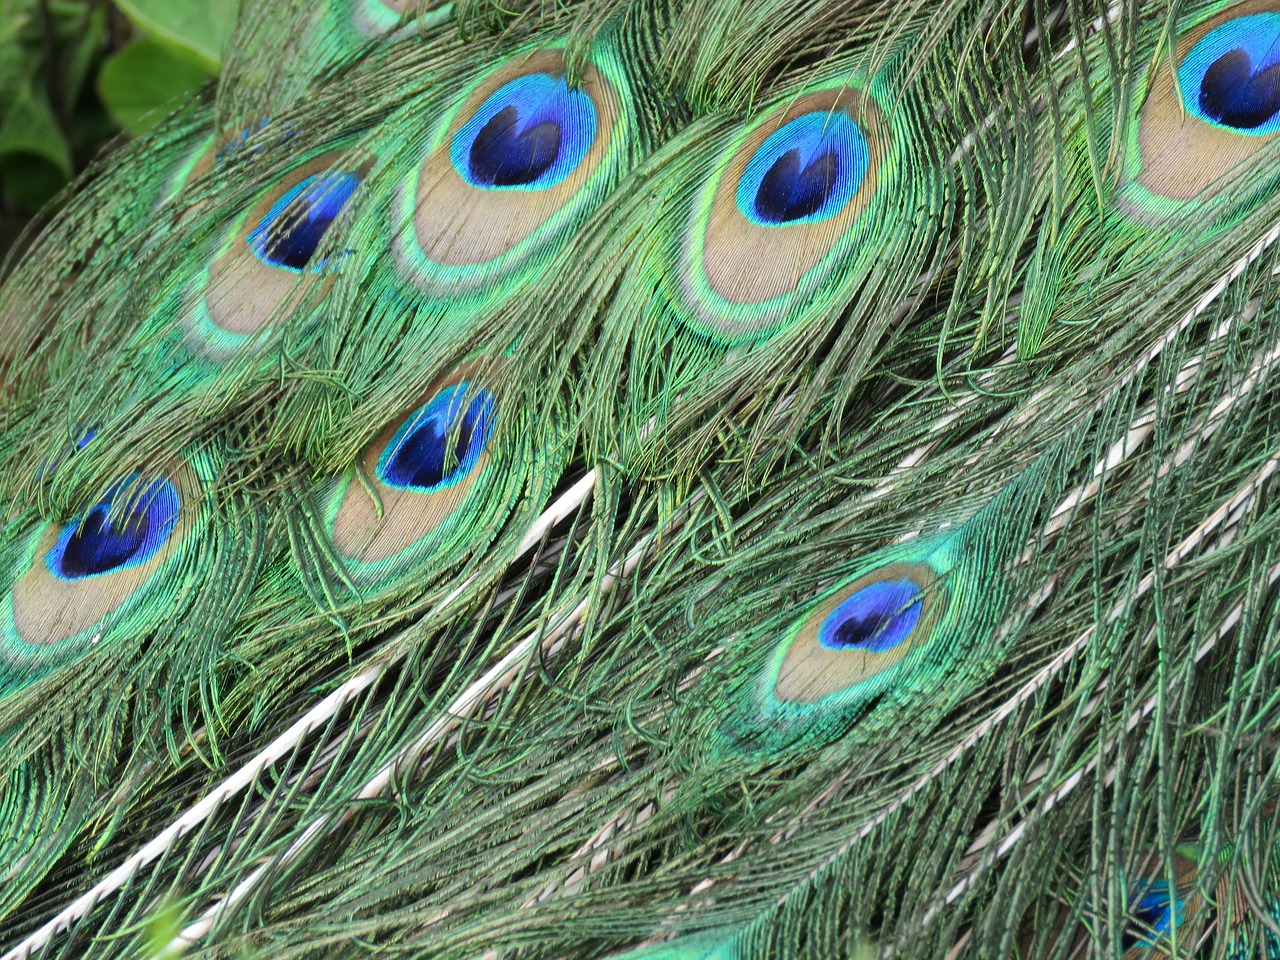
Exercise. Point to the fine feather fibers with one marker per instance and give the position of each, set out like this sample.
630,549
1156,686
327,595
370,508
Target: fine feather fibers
658,479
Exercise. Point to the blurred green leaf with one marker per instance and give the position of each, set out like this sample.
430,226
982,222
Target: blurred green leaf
62,94
83,37
15,20
141,78
29,126
47,126
199,27
28,123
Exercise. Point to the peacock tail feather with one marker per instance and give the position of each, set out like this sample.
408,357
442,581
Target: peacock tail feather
1151,169
814,186
658,479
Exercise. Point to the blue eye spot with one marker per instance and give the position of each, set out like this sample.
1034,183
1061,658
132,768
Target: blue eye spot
1152,911
875,619
293,228
530,134
1231,77
102,542
806,172
440,442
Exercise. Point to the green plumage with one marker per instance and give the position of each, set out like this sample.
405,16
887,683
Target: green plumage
909,631
658,479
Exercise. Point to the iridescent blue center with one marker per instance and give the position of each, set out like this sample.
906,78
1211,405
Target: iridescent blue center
1231,77
529,135
1152,911
293,228
440,442
875,619
806,172
106,540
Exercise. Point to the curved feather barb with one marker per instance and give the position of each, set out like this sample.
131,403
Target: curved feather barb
655,479
372,18
280,49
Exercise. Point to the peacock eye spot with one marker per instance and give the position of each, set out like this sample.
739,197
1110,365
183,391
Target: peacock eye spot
105,540
805,172
530,134
1151,913
1233,74
292,230
440,442
874,619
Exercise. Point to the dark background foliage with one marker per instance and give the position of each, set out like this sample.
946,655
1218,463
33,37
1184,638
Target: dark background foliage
77,74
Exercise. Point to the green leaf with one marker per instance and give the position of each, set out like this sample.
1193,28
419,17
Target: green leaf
16,20
199,27
144,76
29,126
83,39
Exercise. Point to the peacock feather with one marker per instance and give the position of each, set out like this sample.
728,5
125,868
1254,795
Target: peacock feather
1158,166
664,479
